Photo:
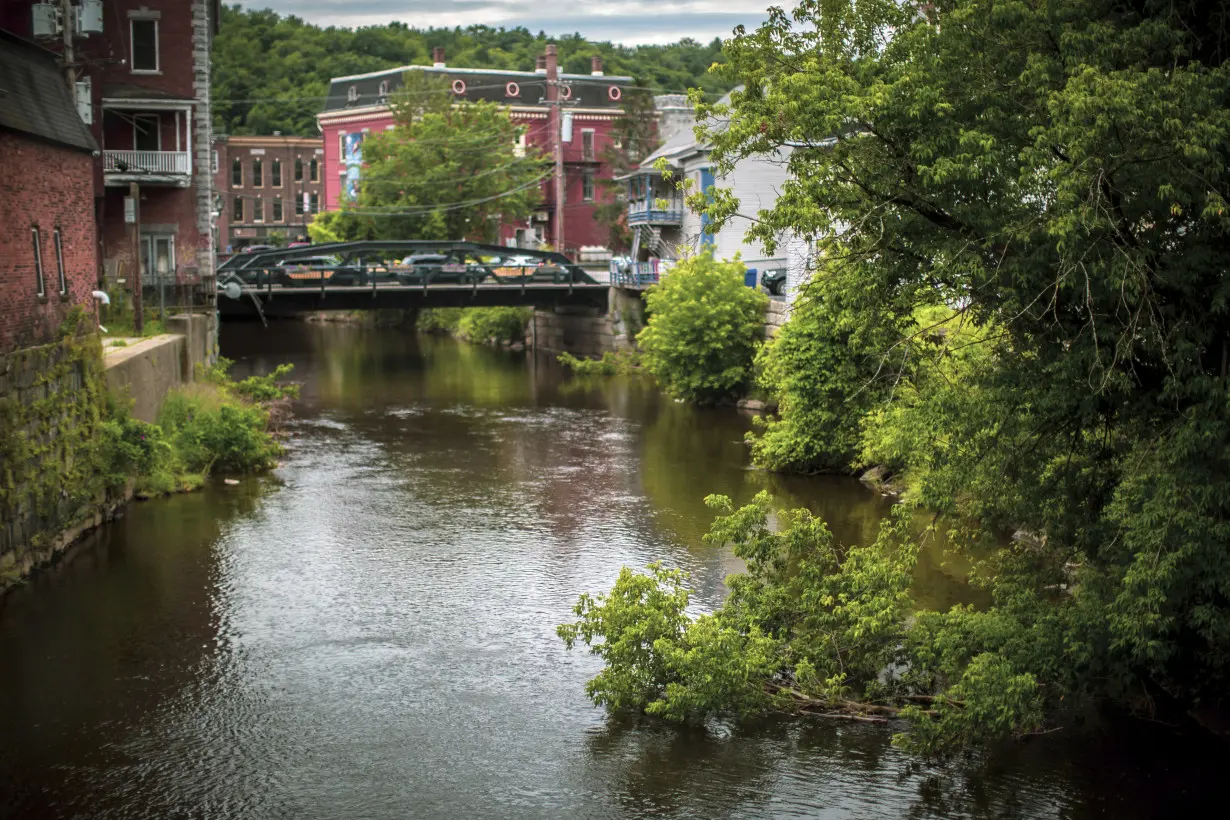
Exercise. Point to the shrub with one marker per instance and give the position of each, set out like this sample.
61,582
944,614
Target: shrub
443,321
211,429
611,364
704,329
496,324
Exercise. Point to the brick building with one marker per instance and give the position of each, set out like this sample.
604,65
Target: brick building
265,186
48,241
577,109
140,73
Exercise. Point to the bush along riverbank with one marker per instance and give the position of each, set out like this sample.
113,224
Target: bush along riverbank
71,455
214,425
1031,339
500,326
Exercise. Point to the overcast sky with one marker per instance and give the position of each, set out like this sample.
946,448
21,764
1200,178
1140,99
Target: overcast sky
630,22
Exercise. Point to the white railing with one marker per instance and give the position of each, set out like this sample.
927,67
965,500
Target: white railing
147,162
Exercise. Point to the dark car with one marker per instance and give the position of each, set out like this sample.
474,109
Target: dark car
774,281
313,270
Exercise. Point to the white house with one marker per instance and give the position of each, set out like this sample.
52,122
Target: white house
665,229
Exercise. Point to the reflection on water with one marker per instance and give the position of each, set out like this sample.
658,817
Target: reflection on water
370,632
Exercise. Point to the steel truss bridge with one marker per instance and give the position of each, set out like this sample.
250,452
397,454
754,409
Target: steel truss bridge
401,274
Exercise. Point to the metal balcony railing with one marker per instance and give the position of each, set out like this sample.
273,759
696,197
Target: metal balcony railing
147,162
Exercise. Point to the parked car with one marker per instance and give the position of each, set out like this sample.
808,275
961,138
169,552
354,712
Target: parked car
774,281
434,268
312,270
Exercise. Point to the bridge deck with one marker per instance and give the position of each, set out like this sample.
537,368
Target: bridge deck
278,300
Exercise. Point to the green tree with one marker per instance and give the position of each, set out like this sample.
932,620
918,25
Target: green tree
704,328
1057,174
445,171
272,72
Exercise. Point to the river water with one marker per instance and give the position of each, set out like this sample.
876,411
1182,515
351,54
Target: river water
369,632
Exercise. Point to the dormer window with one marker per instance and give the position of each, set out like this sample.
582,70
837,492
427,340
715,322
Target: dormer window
352,94
384,88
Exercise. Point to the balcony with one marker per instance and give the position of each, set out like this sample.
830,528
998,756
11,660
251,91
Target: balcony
147,167
650,213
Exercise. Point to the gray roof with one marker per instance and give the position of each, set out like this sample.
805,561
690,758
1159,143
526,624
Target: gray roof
35,98
588,91
684,143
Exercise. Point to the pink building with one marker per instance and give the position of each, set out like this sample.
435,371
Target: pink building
590,105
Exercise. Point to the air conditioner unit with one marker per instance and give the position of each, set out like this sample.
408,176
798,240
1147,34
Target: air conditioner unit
541,216
85,100
90,17
46,19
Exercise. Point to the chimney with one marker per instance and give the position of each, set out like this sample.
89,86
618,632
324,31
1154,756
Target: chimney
596,66
552,64
437,57
540,64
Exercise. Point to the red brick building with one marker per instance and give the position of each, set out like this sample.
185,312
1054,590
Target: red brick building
579,110
140,73
265,186
48,241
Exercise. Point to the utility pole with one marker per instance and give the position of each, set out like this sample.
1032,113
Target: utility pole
555,123
68,28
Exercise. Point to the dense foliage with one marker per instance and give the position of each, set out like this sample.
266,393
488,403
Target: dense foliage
444,171
704,328
501,325
213,425
1048,181
272,72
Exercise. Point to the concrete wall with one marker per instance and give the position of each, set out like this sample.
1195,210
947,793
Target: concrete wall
587,331
146,370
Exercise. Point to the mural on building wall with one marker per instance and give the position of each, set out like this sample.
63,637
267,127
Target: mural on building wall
352,160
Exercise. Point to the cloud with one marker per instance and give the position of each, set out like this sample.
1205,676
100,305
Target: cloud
632,23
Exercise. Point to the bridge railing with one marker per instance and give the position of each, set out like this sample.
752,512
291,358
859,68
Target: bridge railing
638,274
377,276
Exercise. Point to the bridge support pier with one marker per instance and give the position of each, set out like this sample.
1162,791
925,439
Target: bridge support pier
586,331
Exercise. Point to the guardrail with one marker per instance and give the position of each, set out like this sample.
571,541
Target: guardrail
638,274
154,162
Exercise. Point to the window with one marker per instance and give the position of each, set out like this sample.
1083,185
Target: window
300,204
144,45
298,169
38,264
236,173
146,135
258,210
277,209
587,145
587,187
55,239
352,94
258,176
384,88
237,211
158,256
314,205
213,162
315,171
275,172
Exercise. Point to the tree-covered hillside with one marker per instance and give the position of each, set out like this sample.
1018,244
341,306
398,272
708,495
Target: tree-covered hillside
272,72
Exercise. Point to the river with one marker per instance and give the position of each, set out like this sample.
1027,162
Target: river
369,631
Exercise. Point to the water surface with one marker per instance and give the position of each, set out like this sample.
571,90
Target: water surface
369,632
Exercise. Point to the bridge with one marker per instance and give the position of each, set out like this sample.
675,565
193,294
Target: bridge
401,274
